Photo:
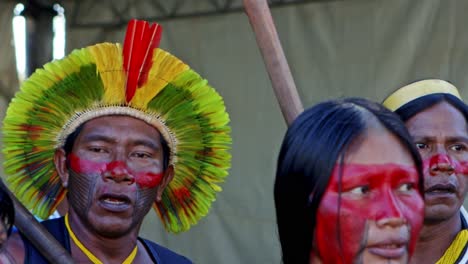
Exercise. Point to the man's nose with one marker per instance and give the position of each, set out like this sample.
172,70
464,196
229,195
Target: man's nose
441,163
118,172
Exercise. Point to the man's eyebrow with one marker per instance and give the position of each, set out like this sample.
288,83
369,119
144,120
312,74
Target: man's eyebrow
148,143
450,138
458,139
423,137
97,137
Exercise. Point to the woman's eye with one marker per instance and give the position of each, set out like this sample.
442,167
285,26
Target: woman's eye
360,190
406,187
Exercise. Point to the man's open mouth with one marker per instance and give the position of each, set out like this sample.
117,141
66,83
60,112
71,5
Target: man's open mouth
115,202
441,189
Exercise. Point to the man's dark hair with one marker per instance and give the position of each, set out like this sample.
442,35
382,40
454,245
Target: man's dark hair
315,142
7,210
416,106
70,141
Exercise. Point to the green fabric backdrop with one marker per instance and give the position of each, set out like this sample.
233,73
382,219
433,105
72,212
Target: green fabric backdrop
362,48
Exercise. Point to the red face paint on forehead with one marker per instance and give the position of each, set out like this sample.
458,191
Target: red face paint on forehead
144,179
375,175
369,194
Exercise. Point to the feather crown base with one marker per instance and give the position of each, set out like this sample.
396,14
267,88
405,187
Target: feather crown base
151,118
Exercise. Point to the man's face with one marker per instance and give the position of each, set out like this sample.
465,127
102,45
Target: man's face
440,133
115,170
374,212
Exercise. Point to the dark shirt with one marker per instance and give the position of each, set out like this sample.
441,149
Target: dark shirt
56,227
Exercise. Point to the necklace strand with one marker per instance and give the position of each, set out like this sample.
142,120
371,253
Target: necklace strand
88,253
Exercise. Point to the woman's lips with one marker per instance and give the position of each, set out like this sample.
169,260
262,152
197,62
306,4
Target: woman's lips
389,250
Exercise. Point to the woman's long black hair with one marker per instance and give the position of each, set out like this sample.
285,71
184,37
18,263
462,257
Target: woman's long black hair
7,210
313,144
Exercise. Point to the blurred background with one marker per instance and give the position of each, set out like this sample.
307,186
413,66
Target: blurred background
365,48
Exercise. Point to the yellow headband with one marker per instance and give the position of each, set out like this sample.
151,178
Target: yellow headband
419,89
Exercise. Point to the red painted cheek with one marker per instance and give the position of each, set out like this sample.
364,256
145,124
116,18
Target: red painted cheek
85,166
148,179
463,168
333,228
144,179
413,211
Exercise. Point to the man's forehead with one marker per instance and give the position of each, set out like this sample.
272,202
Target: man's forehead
117,121
442,117
117,125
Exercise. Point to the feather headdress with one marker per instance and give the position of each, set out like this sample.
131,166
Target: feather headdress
138,80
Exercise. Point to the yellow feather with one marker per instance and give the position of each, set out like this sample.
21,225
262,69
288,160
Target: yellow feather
164,69
109,64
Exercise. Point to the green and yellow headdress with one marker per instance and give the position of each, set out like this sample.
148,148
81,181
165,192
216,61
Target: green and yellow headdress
138,80
417,90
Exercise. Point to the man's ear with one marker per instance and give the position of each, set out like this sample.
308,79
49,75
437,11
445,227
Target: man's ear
60,161
167,178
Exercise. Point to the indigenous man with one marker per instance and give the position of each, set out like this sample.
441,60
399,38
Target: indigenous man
116,130
436,118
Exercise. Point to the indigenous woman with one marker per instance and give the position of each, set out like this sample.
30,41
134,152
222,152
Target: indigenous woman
348,186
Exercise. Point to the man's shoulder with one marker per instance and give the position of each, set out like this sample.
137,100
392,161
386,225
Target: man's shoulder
164,255
464,217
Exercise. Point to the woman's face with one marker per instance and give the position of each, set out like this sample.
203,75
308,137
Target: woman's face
373,214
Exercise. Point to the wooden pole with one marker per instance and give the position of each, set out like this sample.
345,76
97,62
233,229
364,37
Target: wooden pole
42,240
273,56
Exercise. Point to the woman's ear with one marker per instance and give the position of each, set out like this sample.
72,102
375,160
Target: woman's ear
167,178
60,161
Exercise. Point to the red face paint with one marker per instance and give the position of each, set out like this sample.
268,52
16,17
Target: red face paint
145,179
367,194
463,168
442,163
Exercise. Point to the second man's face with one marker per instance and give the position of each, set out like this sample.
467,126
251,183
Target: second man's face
441,135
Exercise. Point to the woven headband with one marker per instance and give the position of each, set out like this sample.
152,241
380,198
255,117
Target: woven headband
419,89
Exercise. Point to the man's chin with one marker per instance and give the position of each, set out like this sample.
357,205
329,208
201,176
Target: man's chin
113,231
436,213
113,227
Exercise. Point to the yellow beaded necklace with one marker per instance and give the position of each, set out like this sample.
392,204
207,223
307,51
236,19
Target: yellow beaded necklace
455,249
88,253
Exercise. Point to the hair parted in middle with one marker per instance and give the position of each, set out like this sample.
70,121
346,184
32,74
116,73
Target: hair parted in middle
315,142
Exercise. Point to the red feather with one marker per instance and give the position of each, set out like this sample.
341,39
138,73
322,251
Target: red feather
141,39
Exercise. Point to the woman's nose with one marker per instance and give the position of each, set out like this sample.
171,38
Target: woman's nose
389,211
